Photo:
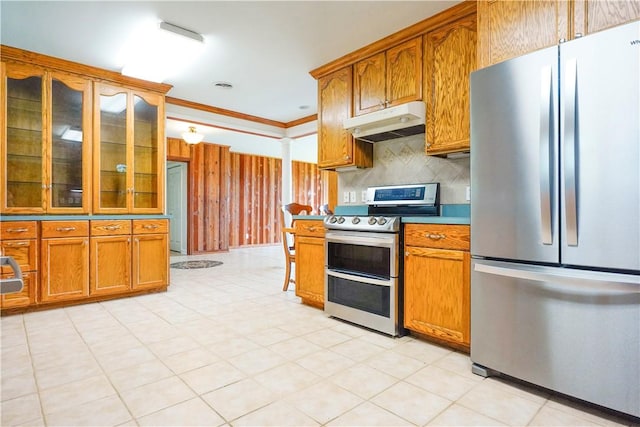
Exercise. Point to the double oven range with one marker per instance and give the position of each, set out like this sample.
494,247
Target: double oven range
363,262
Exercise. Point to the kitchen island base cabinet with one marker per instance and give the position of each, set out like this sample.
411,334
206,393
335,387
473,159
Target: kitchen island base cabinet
437,283
309,247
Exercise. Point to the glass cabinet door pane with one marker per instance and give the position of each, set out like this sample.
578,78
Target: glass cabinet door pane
24,142
113,151
145,157
66,146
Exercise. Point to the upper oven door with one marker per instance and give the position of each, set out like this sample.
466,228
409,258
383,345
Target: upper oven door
372,255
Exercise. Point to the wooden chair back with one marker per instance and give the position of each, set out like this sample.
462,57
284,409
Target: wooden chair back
288,236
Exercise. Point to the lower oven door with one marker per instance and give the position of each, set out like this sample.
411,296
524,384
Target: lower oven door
364,301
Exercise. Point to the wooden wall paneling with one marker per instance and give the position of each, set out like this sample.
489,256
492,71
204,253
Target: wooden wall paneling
197,189
225,177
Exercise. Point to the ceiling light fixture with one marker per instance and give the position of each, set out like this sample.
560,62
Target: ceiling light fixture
192,136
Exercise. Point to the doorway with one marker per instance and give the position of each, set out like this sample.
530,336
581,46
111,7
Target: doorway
177,206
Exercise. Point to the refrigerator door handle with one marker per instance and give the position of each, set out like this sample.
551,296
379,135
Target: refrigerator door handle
576,279
570,142
546,107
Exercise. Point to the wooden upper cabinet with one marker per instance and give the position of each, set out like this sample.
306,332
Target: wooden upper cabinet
404,72
129,150
590,16
510,28
336,147
450,56
46,141
389,78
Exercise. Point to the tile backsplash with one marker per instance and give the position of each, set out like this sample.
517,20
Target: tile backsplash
403,161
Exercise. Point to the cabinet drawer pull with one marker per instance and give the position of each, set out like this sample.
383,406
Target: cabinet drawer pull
65,229
312,229
111,227
17,230
436,236
150,226
16,244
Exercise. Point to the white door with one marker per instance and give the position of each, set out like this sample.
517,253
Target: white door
177,206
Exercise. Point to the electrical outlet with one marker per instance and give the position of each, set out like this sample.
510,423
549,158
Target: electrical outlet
468,194
352,197
345,197
364,196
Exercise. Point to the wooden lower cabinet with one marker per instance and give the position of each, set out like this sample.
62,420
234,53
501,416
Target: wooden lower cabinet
64,269
110,265
309,247
24,298
150,261
437,283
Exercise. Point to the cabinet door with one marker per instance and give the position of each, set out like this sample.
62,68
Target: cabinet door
150,261
404,73
22,148
25,297
590,16
111,180
69,155
369,92
148,153
110,270
335,145
450,56
64,269
510,28
310,269
436,293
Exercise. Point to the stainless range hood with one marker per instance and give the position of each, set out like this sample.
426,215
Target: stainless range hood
391,123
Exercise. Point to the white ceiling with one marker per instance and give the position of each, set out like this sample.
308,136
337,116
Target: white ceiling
264,48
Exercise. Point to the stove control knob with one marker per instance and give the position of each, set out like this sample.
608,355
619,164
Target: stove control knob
382,221
340,220
355,220
333,219
372,220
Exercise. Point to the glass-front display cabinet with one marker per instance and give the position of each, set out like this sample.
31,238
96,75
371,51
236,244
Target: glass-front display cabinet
129,151
46,141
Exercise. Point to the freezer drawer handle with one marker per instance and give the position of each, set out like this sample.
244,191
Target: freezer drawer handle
570,142
582,280
546,135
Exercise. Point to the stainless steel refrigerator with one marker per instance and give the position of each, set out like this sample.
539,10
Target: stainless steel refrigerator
555,218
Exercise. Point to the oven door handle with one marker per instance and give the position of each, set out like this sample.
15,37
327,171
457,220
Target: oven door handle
372,281
386,241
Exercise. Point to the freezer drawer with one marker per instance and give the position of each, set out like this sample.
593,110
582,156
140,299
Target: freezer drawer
575,332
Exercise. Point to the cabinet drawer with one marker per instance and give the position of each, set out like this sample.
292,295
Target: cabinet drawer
110,228
437,236
309,228
150,226
25,252
25,297
64,229
18,230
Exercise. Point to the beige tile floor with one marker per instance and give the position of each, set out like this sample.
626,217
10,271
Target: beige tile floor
225,346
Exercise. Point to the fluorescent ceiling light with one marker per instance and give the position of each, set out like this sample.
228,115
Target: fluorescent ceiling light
72,134
161,52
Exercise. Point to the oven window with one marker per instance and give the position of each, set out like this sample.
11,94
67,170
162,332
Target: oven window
368,261
361,296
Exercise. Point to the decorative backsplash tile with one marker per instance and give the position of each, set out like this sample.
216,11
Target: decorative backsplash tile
403,161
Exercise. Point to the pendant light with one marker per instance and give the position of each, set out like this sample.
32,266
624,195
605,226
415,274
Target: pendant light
192,136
